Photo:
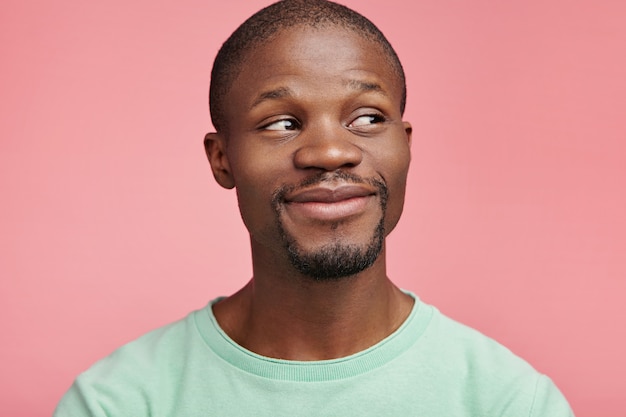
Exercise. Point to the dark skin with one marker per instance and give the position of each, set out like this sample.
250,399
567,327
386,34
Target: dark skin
313,102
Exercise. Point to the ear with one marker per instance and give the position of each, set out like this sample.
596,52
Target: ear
408,129
215,147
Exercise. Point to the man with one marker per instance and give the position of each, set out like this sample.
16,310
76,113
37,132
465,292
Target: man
307,100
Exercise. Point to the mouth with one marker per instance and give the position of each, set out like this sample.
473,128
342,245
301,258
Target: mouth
326,203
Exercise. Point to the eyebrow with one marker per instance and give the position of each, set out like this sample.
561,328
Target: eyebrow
366,86
280,92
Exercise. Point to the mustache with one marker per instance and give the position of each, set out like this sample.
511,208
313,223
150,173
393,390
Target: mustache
278,196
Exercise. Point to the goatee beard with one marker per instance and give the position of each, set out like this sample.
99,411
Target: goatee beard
335,260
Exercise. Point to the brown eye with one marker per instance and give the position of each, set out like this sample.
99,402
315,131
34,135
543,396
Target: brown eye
366,120
283,124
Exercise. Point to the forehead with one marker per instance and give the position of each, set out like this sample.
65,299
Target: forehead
321,56
305,41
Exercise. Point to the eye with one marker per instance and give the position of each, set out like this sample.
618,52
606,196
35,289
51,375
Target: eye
282,124
367,120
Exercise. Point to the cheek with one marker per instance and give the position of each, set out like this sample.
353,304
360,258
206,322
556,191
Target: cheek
254,202
397,162
395,204
255,182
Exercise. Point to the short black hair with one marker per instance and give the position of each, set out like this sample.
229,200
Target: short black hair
278,16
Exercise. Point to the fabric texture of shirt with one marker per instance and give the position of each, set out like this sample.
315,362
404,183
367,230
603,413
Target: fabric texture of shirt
431,366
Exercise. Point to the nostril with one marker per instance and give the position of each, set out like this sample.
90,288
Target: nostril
328,155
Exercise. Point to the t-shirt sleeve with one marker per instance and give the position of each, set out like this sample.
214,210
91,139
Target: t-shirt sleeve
76,404
95,396
548,401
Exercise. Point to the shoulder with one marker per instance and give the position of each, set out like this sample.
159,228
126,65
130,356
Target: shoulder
480,352
134,374
472,365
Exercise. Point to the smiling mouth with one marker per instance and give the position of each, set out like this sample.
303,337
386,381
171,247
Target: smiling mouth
330,197
330,204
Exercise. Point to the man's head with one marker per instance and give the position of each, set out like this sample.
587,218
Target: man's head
310,134
263,25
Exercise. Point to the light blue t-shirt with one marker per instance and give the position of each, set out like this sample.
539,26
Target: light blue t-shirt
431,366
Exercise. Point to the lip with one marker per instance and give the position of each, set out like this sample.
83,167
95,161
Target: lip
329,195
330,204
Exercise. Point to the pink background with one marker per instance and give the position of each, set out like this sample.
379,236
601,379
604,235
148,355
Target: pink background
111,224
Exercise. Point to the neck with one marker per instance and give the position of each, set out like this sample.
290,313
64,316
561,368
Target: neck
289,316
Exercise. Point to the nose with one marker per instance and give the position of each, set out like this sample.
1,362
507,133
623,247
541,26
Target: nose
327,148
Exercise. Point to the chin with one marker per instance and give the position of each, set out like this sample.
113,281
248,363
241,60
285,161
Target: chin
335,260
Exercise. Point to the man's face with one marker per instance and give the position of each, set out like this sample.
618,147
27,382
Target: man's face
317,150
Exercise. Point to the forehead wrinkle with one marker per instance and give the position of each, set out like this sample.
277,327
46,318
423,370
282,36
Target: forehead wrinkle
285,92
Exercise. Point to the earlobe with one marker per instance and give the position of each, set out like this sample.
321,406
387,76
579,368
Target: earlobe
215,148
